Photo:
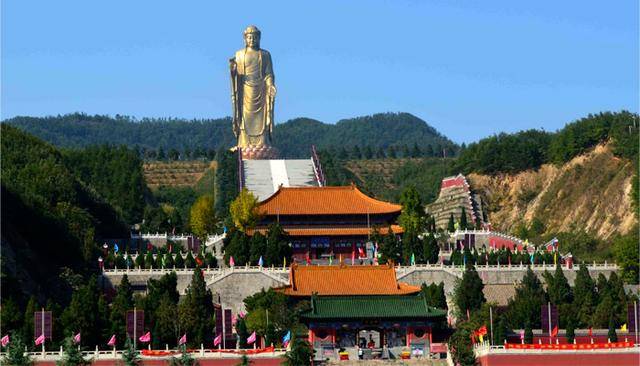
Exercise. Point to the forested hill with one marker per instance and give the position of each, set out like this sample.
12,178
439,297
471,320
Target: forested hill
293,137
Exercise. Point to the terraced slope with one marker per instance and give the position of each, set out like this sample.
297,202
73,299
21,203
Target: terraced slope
176,173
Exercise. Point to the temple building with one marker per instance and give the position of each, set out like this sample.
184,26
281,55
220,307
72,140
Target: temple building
328,222
365,311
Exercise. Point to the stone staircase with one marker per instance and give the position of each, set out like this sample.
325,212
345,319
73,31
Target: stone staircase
263,177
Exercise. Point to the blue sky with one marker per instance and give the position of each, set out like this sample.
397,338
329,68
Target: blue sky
469,68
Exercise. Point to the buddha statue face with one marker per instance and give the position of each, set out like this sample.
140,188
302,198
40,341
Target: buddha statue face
252,37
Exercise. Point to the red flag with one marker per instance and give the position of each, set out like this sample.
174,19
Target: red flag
199,261
554,331
360,253
183,340
40,340
217,340
76,338
112,341
308,258
252,338
5,340
353,257
590,331
482,330
145,338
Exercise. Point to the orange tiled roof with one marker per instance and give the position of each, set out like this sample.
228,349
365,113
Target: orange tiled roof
332,230
345,280
324,201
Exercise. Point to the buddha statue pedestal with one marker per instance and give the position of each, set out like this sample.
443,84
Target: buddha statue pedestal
262,152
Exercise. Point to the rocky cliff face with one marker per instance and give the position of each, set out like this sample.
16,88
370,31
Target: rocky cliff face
591,193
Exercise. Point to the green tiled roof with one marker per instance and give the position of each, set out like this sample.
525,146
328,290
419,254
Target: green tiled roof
350,307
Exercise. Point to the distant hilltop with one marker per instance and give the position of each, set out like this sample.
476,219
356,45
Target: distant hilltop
293,138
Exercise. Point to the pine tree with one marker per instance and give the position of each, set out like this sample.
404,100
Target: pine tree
451,225
558,289
15,354
165,328
149,260
277,245
571,334
431,250
460,346
528,333
525,305
122,302
185,359
390,249
300,354
27,327
468,293
72,355
258,248
190,262
612,335
130,356
584,296
196,311
243,334
463,219
179,261
500,334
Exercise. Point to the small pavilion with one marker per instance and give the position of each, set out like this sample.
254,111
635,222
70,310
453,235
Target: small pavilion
363,307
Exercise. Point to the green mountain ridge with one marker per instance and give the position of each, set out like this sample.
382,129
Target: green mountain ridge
293,138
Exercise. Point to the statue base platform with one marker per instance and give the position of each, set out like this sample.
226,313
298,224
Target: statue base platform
262,152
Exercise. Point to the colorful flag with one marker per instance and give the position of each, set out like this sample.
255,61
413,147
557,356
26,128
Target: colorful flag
284,262
199,261
260,262
330,260
286,339
353,257
531,258
522,335
40,340
554,331
360,253
217,340
234,320
340,258
182,340
5,340
145,338
242,314
623,328
413,259
76,338
232,263
482,330
115,248
252,338
308,258
590,331
112,341
555,258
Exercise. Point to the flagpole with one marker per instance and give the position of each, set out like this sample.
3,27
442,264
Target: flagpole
135,321
42,328
549,311
491,324
224,336
635,314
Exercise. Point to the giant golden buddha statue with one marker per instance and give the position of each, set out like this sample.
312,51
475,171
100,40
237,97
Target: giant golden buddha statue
253,96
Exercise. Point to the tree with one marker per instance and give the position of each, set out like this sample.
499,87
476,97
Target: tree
460,345
11,317
500,333
525,305
435,295
130,356
185,359
27,327
528,333
243,334
571,334
15,354
122,302
244,361
390,249
258,248
244,210
430,249
165,328
72,355
278,248
584,298
627,256
83,314
412,216
237,245
463,219
558,287
451,225
202,218
468,295
196,311
300,353
611,334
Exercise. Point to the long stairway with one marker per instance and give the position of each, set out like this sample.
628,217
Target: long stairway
263,177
